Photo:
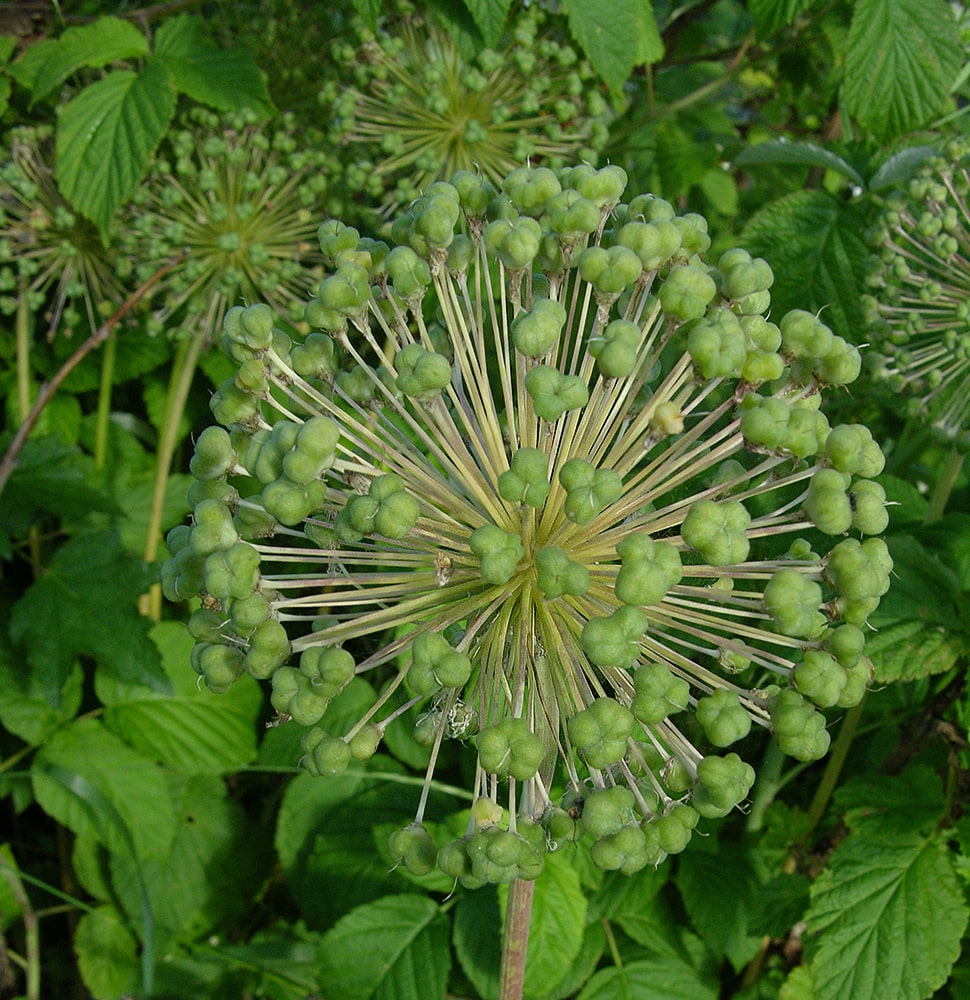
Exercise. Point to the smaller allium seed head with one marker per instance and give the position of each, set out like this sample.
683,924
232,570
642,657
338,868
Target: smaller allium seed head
920,312
555,559
240,197
406,109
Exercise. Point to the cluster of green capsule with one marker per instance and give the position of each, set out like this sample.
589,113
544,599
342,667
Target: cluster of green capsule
919,311
558,484
408,107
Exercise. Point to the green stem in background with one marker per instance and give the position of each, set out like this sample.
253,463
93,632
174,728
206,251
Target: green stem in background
515,939
23,327
104,401
28,915
183,372
766,787
945,481
834,765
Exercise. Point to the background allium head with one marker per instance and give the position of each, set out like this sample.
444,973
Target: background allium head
544,475
920,315
51,259
408,109
243,198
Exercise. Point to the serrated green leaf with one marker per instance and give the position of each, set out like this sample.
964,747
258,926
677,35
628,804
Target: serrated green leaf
46,65
88,780
584,965
660,930
718,884
107,954
798,985
616,35
681,161
902,57
225,79
34,704
555,926
950,537
884,805
886,919
779,905
489,17
394,948
50,477
7,44
10,901
659,978
797,153
770,15
815,247
5,90
918,622
477,938
195,732
192,891
107,134
618,895
86,603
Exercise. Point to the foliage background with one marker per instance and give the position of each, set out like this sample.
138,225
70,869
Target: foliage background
163,830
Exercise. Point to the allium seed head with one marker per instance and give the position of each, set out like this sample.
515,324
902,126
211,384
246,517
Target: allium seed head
920,275
602,601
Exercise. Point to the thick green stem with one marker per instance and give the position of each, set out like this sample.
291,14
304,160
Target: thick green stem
515,939
23,324
104,401
945,482
767,785
183,372
836,761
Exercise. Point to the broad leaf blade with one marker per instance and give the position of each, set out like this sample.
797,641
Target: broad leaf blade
770,15
490,17
660,978
900,167
106,137
88,780
803,154
902,58
46,65
889,915
616,35
225,79
814,245
86,604
395,948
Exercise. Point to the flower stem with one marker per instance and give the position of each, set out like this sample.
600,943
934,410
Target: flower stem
104,401
952,464
836,761
515,939
183,371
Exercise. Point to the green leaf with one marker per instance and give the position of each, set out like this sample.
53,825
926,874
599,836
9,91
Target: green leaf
10,901
46,65
50,477
107,134
225,79
86,603
195,732
900,168
477,937
918,623
718,885
490,17
556,925
107,953
884,805
33,704
770,15
89,781
797,153
815,247
616,35
191,888
395,948
779,905
660,978
902,57
369,11
5,90
887,916
681,160
950,537
584,964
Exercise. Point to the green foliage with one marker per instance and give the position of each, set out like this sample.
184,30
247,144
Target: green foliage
199,863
